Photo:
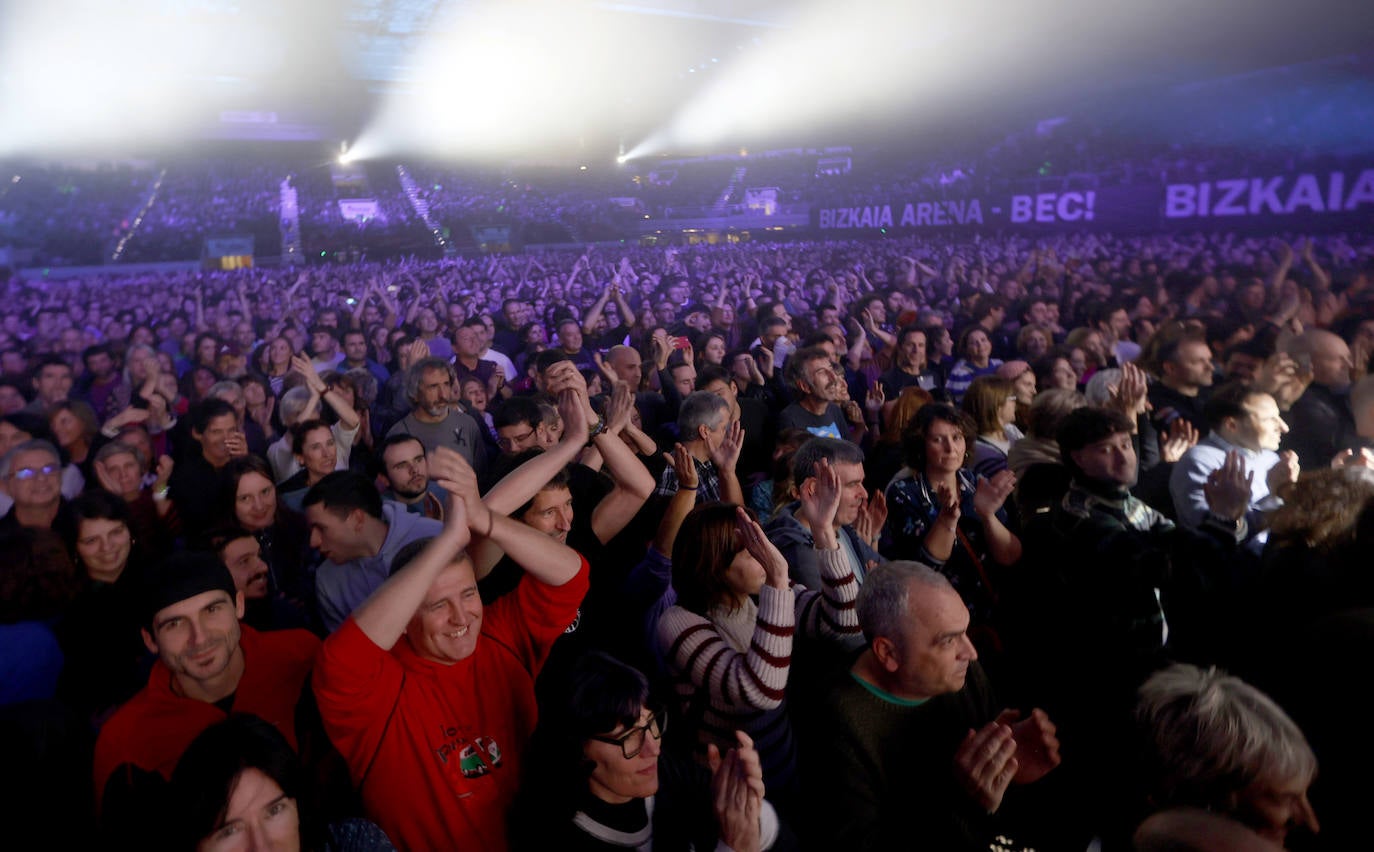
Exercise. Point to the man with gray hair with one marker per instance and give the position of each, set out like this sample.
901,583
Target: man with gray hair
434,418
32,475
714,443
857,522
913,749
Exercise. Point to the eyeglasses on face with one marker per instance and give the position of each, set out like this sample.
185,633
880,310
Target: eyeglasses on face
508,443
26,473
632,741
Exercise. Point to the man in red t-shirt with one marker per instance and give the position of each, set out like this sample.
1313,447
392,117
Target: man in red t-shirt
209,665
429,696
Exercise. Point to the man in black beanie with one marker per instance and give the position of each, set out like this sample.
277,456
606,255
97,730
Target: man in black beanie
209,665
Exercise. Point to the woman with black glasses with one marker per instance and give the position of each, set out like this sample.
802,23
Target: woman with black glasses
597,778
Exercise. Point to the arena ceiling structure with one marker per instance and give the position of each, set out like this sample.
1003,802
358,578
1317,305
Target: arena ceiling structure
477,79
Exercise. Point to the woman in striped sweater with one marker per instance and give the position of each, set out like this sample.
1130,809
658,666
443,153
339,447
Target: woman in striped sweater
729,657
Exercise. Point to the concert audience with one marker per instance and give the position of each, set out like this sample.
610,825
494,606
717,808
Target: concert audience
1053,558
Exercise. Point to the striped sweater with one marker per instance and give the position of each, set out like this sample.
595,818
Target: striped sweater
730,669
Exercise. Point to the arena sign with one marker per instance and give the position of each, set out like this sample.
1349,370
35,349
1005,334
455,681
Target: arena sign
1313,200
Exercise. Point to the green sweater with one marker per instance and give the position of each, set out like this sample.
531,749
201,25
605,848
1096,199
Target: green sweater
882,771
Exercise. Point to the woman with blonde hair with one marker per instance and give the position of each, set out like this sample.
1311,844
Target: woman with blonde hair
991,402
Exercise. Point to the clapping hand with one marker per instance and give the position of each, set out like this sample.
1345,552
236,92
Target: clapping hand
1284,471
820,502
1181,437
301,364
875,399
1037,746
872,517
726,454
467,515
992,493
684,466
1228,488
619,408
737,792
985,764
948,500
1129,394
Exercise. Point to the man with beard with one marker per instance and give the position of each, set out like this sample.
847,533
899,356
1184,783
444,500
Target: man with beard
265,606
407,472
817,386
434,419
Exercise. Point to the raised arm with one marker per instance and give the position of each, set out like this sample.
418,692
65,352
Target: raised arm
544,559
725,457
594,312
682,502
633,482
520,485
829,610
384,615
757,678
348,418
627,316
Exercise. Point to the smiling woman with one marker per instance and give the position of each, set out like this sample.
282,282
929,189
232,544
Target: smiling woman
599,779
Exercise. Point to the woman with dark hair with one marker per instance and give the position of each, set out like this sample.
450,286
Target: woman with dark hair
975,359
75,426
597,777
279,353
533,340
260,405
206,350
252,503
1056,370
710,348
721,561
240,786
312,443
942,514
106,660
196,383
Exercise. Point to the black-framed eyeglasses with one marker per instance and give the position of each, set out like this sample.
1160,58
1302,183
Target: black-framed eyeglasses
632,741
509,443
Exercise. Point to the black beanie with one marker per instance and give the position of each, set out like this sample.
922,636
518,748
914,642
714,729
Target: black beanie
180,576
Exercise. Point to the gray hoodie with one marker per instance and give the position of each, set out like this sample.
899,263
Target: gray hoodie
341,587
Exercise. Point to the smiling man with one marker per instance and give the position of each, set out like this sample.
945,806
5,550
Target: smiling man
429,695
1244,421
191,611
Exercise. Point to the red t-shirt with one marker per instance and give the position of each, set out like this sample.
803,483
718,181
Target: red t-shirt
436,748
154,727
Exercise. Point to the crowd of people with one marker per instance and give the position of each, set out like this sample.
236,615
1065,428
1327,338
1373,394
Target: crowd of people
967,544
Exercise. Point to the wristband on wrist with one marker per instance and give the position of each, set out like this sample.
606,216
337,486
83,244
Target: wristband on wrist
596,430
